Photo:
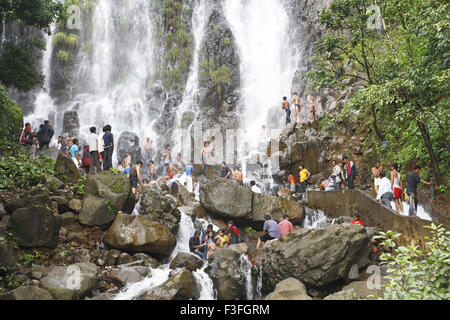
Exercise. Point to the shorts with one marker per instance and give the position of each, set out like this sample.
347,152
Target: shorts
134,181
265,238
377,182
397,193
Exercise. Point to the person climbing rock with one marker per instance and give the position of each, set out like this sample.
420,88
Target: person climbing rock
169,172
351,172
397,187
304,176
376,170
148,152
232,232
411,190
108,142
135,175
286,106
254,187
197,247
385,193
297,103
285,225
271,231
93,152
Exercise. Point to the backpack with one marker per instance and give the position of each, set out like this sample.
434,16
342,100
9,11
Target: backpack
354,170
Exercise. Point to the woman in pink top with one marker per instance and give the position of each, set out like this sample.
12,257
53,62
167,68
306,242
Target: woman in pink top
286,227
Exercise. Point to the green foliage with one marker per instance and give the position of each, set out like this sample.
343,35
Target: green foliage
30,259
78,189
63,56
22,173
218,76
403,73
227,41
11,124
416,274
115,171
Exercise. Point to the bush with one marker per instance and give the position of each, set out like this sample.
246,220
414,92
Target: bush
415,274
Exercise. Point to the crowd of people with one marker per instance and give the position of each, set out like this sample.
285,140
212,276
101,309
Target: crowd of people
39,140
297,102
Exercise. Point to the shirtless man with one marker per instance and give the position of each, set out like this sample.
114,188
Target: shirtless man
286,106
376,174
148,149
152,170
296,101
238,177
135,176
169,171
312,109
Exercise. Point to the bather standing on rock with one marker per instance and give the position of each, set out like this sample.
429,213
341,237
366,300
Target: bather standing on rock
238,177
108,141
297,103
189,177
376,174
93,151
286,106
152,171
135,175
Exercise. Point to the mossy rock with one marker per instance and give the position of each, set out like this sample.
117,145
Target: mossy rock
11,122
66,171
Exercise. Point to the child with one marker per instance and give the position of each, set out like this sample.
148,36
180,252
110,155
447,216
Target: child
357,220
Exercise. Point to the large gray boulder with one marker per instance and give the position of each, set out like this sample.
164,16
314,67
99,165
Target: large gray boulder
35,197
225,271
140,234
186,260
289,289
65,170
73,281
358,290
226,199
317,257
181,193
181,285
277,207
7,260
127,275
161,208
27,293
106,194
35,227
128,145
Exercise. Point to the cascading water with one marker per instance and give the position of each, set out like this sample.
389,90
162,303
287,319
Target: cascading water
268,64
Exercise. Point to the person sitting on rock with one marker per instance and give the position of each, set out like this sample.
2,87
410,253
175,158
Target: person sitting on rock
196,247
232,233
238,177
357,219
271,231
285,225
210,241
254,187
222,236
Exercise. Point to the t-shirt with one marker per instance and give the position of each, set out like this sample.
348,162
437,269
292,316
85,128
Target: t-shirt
286,227
412,180
108,139
256,189
225,172
126,171
303,175
74,150
189,170
358,222
291,179
272,228
93,142
193,242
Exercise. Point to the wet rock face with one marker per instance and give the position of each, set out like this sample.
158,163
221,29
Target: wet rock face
65,170
140,234
316,257
289,289
128,145
71,122
186,260
225,271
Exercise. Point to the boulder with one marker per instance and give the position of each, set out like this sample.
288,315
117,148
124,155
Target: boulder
147,261
75,280
289,289
35,227
186,260
160,208
226,199
35,197
53,183
124,258
140,234
68,218
65,170
27,293
181,285
7,260
225,271
276,207
357,290
240,248
124,276
62,202
316,257
96,212
128,145
181,193
75,205
111,257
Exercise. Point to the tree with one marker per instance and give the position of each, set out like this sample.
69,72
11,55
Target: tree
402,70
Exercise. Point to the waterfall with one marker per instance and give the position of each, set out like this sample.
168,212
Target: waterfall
315,219
268,64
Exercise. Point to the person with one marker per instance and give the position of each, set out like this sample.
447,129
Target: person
385,191
286,106
226,172
196,246
35,148
101,146
285,225
304,176
357,220
312,109
69,141
271,231
376,174
324,185
238,177
167,155
254,187
168,172
331,183
45,135
61,145
232,232
351,172
292,183
209,228
397,187
27,136
411,190
148,152
222,236
209,241
74,153
206,152
179,162
93,151
337,172
85,160
135,175
189,174
296,101
152,171
108,142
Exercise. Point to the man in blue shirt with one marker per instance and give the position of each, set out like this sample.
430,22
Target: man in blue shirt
271,231
189,173
75,153
108,142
